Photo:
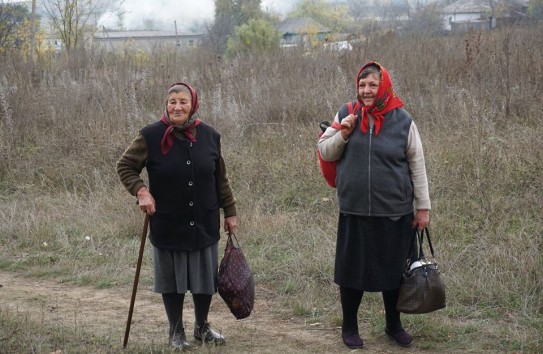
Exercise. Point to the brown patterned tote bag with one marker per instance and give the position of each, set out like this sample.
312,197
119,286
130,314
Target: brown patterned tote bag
236,284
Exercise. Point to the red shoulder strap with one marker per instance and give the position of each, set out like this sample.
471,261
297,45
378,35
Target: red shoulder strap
353,110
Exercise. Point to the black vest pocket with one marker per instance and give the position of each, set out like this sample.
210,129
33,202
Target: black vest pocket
213,221
161,224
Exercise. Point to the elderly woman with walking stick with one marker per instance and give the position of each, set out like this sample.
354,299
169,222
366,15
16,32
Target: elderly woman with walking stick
188,186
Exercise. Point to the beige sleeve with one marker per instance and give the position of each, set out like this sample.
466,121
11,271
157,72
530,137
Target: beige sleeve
331,144
415,158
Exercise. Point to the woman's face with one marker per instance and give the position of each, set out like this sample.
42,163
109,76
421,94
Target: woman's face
367,89
178,107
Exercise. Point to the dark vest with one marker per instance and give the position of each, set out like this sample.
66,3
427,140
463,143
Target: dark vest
184,186
373,177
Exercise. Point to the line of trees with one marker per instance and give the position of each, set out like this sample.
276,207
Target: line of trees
238,25
242,25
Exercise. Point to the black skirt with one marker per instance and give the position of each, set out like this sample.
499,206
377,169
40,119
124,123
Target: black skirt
371,251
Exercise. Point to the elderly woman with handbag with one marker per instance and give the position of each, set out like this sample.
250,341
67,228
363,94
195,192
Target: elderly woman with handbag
187,187
382,191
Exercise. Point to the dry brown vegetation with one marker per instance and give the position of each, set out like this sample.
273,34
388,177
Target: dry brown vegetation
476,98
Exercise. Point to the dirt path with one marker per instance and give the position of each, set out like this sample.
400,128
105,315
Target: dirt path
103,312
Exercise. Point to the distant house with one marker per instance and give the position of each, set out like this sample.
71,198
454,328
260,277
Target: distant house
481,14
146,40
301,30
51,41
465,14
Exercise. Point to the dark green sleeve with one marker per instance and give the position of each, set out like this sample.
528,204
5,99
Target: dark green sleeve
226,196
131,163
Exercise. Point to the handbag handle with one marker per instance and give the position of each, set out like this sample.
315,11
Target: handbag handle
233,240
420,236
230,245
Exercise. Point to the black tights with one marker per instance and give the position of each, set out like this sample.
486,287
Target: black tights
173,303
201,308
350,302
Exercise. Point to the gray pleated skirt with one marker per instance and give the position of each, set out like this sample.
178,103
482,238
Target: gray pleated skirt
371,251
180,271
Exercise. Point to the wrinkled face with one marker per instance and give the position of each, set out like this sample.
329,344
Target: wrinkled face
178,107
367,89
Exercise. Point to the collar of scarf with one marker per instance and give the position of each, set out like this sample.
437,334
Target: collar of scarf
167,139
385,101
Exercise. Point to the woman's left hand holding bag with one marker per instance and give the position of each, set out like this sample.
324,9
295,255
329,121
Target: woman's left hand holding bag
230,224
422,219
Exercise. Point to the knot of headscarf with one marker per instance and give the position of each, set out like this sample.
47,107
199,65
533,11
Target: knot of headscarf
385,101
192,122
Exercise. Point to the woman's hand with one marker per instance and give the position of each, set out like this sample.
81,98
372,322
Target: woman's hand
146,201
422,219
348,123
230,224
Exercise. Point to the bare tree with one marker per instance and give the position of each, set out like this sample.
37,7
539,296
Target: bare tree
357,8
427,19
71,19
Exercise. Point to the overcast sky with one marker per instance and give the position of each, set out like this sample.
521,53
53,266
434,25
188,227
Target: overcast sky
163,13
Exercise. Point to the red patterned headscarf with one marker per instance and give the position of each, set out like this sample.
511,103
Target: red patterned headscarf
167,140
385,101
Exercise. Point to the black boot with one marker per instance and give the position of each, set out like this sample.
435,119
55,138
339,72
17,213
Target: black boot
173,304
178,339
206,334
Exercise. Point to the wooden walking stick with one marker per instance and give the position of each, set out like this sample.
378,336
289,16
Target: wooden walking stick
136,280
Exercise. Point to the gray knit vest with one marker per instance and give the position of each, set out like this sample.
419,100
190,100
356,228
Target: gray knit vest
373,177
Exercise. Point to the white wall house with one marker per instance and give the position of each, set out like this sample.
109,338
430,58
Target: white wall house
145,40
52,42
465,14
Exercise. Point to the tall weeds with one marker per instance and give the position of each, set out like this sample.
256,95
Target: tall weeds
476,99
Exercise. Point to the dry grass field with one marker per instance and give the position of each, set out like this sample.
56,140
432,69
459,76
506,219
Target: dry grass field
70,232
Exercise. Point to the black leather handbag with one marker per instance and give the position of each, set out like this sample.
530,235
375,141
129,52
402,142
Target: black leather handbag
422,289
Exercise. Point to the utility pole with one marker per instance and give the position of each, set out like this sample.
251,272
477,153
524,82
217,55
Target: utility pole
492,14
177,43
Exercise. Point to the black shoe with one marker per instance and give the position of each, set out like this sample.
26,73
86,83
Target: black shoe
401,337
352,341
178,339
207,335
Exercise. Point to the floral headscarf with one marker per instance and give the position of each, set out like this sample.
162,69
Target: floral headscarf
385,101
167,140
